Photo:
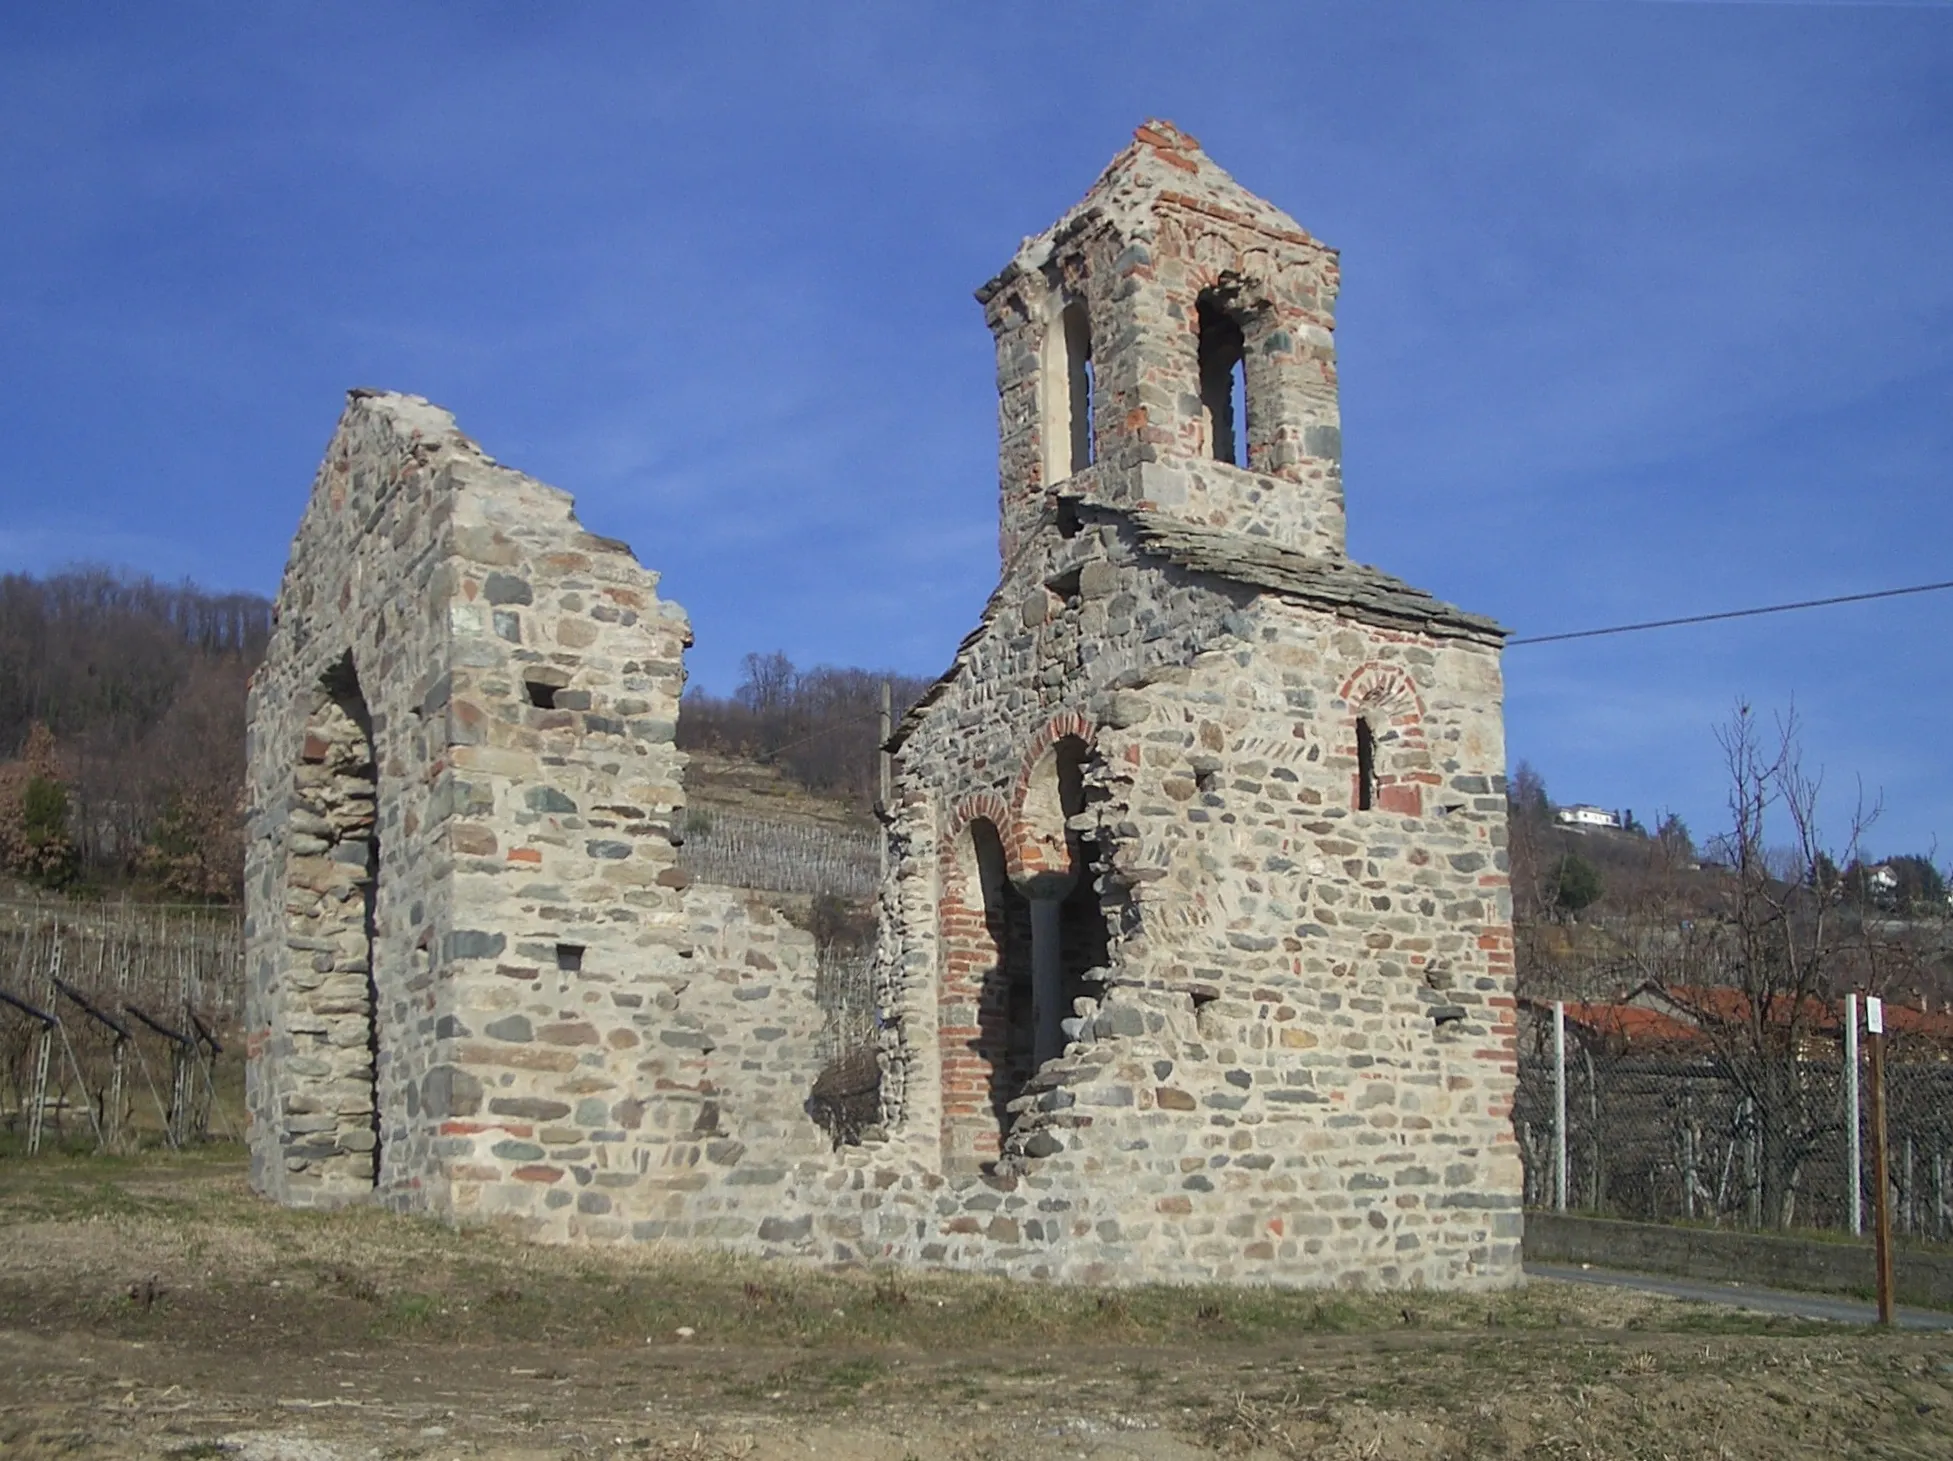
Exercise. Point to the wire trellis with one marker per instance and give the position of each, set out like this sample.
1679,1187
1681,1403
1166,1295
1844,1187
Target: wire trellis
113,1017
741,851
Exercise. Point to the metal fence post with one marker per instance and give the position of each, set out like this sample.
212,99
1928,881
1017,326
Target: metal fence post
1854,1137
1881,1177
1559,1105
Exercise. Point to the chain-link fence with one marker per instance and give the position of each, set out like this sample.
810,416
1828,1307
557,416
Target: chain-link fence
1741,1139
118,1023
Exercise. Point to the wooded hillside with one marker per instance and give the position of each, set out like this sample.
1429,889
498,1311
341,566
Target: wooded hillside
122,730
122,710
819,726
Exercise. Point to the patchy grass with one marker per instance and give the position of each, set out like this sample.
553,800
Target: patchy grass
363,1318
210,1247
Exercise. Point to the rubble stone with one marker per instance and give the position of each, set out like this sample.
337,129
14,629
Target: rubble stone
1195,956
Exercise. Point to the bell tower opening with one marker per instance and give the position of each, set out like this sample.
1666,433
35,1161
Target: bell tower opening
1223,383
1067,391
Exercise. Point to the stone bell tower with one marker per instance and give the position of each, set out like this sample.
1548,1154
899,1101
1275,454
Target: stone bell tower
1166,346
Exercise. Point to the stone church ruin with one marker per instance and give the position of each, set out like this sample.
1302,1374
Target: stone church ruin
1195,958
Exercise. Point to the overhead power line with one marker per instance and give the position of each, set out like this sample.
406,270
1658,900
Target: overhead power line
1884,593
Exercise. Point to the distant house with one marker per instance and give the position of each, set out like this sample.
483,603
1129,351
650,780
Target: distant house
1586,816
1681,1021
1614,1029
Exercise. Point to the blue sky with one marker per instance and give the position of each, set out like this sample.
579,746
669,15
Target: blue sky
1646,311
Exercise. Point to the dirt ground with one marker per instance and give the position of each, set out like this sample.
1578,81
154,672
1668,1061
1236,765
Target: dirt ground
154,1308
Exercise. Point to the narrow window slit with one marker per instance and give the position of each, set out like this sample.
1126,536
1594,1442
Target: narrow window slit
1065,388
569,958
1366,766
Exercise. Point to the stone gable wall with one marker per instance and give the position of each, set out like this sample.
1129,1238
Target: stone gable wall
364,606
1300,1067
555,1031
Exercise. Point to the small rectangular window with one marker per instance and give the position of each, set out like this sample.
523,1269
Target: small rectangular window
542,696
569,958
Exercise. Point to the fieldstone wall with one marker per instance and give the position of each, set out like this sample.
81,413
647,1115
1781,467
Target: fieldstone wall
479,985
1296,1063
329,1112
1195,956
342,896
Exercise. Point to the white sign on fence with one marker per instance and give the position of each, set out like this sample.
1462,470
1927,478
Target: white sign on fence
1874,1015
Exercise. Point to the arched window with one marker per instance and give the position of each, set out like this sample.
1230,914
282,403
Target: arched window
1223,384
1068,386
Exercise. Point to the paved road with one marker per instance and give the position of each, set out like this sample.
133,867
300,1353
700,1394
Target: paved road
1743,1296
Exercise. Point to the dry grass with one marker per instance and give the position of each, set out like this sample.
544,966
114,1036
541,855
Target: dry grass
122,1279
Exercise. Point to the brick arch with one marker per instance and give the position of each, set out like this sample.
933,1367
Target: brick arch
1385,698
984,805
1028,851
1210,259
1385,695
973,985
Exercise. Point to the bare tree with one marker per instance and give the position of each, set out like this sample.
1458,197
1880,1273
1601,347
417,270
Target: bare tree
1756,956
1754,946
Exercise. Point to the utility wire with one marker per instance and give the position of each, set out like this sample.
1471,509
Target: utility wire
827,729
1884,593
1887,593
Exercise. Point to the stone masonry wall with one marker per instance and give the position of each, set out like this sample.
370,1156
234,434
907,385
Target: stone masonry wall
482,987
342,1021
1299,1068
463,742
